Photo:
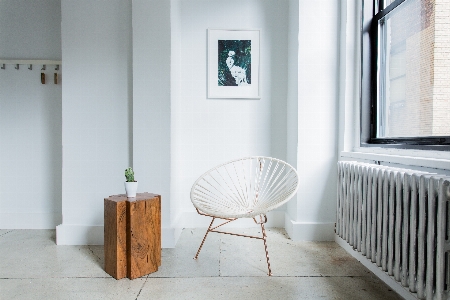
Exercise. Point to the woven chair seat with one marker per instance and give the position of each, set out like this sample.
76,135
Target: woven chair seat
245,188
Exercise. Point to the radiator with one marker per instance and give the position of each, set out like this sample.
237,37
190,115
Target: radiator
399,220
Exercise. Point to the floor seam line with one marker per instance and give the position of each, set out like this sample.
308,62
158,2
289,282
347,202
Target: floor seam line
161,277
142,287
92,251
67,277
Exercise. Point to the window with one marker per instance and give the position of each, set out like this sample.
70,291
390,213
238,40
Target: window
406,74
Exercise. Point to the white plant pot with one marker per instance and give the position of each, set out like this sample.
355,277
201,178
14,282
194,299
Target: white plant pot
131,188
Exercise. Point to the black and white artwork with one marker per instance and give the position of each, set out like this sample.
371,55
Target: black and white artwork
233,64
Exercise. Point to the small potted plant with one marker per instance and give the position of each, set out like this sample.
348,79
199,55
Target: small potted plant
130,184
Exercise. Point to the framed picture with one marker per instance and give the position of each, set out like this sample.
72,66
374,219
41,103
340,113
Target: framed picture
233,64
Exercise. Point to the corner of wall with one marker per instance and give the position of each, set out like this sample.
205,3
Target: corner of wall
308,231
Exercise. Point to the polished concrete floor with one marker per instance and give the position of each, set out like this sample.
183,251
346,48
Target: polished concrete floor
32,266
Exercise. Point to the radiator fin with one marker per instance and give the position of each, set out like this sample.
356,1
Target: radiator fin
398,219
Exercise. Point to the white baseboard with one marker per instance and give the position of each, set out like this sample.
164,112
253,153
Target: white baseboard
170,236
67,234
79,235
194,220
29,220
397,287
301,231
94,235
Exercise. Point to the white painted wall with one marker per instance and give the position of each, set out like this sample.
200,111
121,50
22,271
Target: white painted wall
154,52
151,105
207,132
318,95
96,54
349,96
292,98
30,116
176,80
30,29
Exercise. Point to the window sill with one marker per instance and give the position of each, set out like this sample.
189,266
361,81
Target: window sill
417,158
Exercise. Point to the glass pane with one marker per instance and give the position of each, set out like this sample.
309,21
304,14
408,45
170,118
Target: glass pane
387,2
414,85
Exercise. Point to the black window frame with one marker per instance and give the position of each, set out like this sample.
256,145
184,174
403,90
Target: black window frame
372,12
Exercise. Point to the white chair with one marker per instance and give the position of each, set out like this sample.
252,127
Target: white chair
244,188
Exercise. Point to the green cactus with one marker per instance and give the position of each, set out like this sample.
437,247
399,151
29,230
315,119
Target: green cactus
129,175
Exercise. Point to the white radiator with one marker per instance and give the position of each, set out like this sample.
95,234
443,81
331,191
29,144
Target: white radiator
399,220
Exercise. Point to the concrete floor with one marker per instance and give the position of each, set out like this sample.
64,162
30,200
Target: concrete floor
32,266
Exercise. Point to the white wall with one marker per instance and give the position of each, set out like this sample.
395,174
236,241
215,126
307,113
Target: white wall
30,29
134,93
151,105
318,95
206,132
176,80
292,98
96,53
30,116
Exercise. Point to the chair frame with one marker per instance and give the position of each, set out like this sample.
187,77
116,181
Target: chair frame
261,185
228,220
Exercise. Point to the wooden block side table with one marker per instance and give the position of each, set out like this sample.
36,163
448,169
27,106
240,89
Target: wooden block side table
132,235
115,237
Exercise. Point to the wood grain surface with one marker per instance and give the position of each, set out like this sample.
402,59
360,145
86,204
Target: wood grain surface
143,240
132,235
115,245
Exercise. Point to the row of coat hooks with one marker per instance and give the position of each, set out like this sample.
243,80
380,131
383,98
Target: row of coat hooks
30,63
30,67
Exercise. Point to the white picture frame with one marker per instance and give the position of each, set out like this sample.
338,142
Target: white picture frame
233,63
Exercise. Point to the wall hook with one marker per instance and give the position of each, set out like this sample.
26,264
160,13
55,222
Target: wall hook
3,66
43,68
17,66
30,67
57,67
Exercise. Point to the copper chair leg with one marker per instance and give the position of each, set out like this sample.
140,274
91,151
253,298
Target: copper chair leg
204,238
265,248
262,220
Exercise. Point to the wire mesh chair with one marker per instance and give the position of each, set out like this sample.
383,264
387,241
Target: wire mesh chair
244,188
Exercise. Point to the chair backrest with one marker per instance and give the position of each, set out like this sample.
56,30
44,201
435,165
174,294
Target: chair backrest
245,187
